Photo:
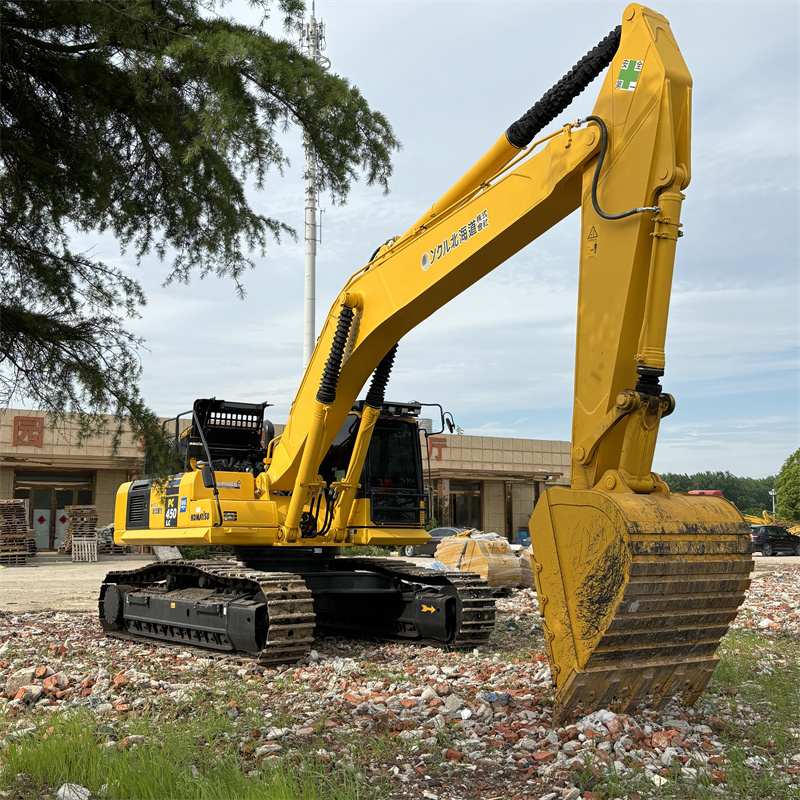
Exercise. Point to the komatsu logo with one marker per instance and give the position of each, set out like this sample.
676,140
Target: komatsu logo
201,517
229,484
456,239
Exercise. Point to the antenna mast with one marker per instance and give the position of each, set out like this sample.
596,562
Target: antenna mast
313,39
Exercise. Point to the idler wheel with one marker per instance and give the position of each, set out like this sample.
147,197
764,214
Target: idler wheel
114,603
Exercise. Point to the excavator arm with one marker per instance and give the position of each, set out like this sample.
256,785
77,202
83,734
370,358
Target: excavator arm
631,153
636,586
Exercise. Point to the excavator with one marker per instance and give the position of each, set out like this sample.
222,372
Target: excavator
636,586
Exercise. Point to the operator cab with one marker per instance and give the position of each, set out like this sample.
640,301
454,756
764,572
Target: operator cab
392,474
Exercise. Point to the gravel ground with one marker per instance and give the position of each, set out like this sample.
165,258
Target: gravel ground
468,725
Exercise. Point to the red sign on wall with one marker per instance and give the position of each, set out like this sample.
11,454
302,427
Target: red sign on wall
435,447
28,432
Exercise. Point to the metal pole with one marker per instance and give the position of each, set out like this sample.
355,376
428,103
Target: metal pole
314,36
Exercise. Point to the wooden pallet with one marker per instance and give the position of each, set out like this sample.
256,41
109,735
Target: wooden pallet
84,550
82,525
13,519
13,559
13,533
109,548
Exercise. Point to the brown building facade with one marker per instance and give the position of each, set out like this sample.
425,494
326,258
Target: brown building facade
50,469
492,483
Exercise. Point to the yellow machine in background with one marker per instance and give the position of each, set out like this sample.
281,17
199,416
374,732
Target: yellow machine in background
636,586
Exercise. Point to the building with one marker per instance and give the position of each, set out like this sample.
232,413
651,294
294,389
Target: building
489,483
492,483
50,468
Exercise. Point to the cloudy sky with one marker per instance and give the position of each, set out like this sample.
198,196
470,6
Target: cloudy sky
451,76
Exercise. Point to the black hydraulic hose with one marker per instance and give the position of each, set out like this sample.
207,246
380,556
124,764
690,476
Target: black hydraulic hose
330,376
522,132
330,501
600,157
377,387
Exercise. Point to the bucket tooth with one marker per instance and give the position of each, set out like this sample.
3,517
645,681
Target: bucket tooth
636,592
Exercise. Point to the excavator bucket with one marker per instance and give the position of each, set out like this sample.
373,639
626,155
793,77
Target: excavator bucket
636,592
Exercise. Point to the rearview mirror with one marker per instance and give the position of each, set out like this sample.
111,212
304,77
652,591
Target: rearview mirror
208,476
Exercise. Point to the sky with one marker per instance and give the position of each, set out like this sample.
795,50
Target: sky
451,76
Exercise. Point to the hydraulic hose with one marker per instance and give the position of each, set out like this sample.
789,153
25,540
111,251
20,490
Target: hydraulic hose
522,132
600,157
377,388
330,376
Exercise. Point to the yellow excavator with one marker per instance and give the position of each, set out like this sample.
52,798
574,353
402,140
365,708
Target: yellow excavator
636,586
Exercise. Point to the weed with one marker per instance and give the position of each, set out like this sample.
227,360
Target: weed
376,672
367,550
196,756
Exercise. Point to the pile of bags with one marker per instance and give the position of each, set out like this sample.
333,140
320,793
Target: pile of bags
487,555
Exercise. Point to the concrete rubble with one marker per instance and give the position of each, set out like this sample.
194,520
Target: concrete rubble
469,724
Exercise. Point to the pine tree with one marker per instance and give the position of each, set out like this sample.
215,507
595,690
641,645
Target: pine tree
144,118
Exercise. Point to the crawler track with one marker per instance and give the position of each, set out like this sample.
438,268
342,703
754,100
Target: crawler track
475,600
290,609
194,604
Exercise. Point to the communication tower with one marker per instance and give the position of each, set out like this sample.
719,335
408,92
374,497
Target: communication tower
312,40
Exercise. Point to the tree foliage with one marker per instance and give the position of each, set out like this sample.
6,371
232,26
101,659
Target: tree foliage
787,486
145,119
750,495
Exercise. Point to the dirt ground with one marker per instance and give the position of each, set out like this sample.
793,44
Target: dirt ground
53,582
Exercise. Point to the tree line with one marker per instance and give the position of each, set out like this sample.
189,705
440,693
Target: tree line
750,495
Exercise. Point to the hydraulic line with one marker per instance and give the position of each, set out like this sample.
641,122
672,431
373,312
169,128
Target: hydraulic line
522,132
309,462
330,375
346,489
600,157
377,387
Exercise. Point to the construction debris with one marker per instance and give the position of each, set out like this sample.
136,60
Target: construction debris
468,725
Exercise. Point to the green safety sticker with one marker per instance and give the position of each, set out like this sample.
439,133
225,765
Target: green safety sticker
629,74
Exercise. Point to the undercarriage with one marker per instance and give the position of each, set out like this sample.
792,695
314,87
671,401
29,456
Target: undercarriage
272,615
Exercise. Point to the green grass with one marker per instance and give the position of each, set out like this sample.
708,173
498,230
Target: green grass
377,672
353,551
756,672
197,756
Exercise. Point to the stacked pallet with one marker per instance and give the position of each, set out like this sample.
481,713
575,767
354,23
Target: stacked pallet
31,539
13,533
105,542
81,535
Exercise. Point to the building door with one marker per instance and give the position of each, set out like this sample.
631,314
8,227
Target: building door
41,515
64,498
48,496
465,505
